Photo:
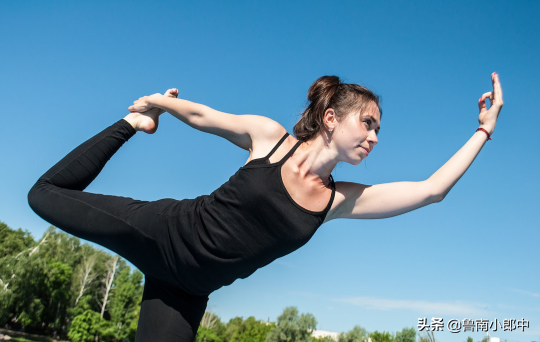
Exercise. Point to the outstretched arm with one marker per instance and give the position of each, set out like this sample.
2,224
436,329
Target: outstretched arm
244,131
391,199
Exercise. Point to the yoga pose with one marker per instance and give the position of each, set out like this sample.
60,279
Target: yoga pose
270,207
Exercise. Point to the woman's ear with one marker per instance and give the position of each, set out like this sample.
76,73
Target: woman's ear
330,119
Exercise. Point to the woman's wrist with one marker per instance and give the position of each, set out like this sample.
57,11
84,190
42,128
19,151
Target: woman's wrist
155,100
488,128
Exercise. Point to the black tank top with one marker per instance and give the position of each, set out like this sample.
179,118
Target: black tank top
245,224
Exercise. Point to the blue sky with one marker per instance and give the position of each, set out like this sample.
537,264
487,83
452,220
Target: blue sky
69,69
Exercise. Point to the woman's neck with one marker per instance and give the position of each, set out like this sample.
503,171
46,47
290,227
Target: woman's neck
315,159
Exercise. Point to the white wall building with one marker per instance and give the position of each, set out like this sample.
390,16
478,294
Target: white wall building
324,333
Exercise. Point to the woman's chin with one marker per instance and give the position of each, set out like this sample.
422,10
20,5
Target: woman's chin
356,161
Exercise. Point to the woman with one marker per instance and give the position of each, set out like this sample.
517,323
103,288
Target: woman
272,206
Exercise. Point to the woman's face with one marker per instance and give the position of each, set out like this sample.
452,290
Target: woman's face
356,135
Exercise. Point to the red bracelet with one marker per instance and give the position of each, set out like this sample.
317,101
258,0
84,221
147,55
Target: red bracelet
483,130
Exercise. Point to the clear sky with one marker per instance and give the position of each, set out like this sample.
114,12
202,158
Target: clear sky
69,69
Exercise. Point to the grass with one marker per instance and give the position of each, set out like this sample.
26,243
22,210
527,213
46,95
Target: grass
32,339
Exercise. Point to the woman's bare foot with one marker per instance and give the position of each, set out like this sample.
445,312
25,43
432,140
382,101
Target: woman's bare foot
148,121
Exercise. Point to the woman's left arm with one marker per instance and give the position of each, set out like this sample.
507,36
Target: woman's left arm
391,199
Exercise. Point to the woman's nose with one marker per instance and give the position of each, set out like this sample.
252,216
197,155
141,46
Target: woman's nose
372,137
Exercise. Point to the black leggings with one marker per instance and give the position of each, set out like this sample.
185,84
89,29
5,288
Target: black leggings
134,229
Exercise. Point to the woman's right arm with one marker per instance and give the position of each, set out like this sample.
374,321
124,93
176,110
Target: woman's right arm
245,131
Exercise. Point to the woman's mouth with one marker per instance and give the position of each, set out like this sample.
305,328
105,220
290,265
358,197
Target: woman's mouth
365,150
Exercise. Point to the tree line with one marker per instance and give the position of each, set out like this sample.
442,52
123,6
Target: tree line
59,287
291,326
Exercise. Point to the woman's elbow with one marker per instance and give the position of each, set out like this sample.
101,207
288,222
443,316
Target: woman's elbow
436,193
438,196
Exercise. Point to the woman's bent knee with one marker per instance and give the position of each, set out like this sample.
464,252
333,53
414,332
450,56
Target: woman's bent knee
40,199
37,196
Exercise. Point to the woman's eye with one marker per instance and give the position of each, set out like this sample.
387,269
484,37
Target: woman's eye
368,121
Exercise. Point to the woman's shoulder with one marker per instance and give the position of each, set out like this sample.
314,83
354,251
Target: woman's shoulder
265,131
269,134
264,128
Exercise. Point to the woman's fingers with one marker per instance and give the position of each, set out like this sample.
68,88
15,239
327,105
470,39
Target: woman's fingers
497,90
488,118
143,103
486,95
495,96
482,102
139,105
137,108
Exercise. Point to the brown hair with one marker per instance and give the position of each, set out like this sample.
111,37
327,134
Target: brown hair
329,92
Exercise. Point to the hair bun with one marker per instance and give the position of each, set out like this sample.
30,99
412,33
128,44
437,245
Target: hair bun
322,86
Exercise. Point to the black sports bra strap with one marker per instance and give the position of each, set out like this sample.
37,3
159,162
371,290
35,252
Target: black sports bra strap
329,205
277,146
333,184
290,152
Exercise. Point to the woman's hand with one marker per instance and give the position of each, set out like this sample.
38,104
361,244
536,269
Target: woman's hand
488,118
144,103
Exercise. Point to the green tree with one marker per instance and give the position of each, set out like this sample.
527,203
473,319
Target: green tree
234,325
357,334
211,329
84,304
84,273
381,336
406,335
205,334
14,241
324,339
31,313
250,330
58,282
12,262
89,326
124,301
292,328
43,287
24,291
61,247
135,321
85,327
427,336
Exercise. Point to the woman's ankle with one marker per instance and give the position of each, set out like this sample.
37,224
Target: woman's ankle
132,119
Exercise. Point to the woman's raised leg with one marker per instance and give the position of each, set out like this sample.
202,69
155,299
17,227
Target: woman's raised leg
134,229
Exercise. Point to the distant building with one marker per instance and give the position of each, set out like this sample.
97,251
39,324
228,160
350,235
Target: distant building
335,335
323,333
